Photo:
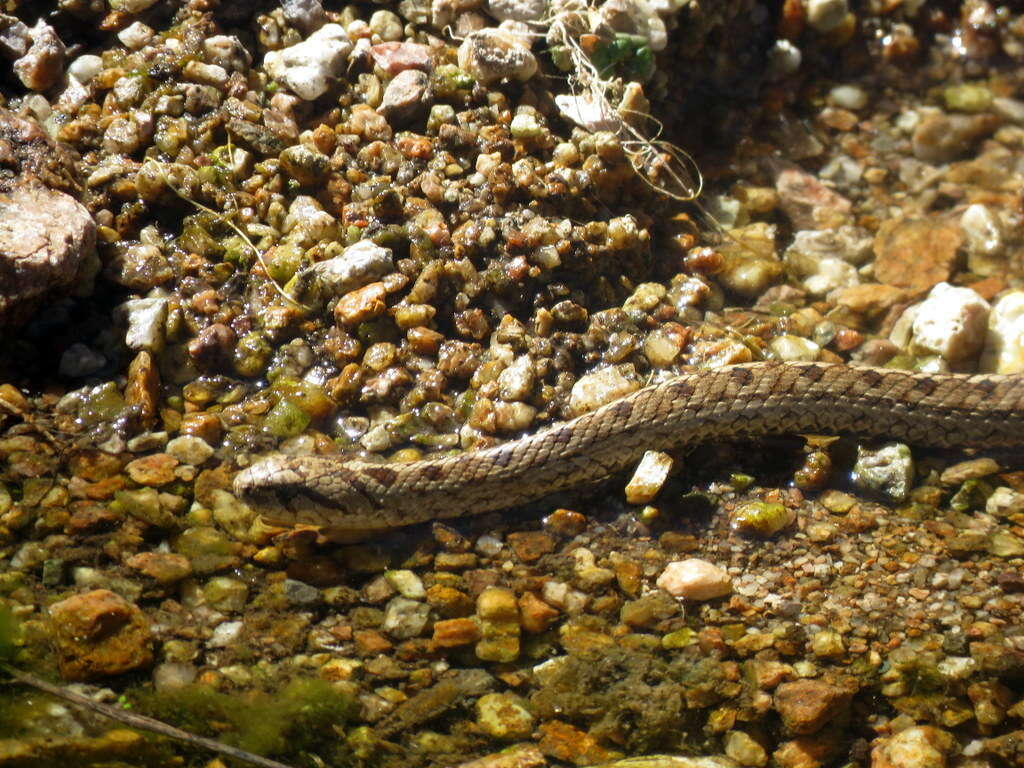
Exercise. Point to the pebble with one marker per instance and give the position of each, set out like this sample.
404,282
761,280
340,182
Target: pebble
1005,502
917,253
226,634
504,716
146,320
225,593
308,68
406,96
985,240
131,7
759,518
46,242
888,470
163,567
135,35
1004,339
695,579
397,57
851,97
825,15
359,264
951,322
941,138
588,112
406,583
43,64
306,15
788,347
742,748
919,746
598,388
189,449
404,618
85,67
649,477
808,203
15,38
387,25
491,55
98,634
361,305
805,706
517,10
870,300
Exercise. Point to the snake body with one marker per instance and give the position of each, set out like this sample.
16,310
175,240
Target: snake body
740,401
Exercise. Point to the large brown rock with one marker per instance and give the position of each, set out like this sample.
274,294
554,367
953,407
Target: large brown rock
805,706
916,254
99,634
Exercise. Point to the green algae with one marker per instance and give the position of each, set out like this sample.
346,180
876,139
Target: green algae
305,714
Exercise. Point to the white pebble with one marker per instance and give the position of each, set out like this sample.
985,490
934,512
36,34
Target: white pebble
225,634
85,67
984,234
308,68
135,35
146,320
595,389
1004,340
649,477
794,348
695,579
951,322
826,15
848,97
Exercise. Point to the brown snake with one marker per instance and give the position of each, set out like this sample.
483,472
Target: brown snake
940,410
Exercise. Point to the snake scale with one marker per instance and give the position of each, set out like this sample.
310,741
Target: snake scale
734,402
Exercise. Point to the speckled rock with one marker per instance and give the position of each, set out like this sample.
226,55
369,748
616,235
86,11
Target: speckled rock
504,716
491,55
98,634
47,244
406,96
43,63
360,264
888,470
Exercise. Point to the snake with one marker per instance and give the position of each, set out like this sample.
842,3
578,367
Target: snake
730,403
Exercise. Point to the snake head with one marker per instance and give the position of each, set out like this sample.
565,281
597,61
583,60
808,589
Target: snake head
313,490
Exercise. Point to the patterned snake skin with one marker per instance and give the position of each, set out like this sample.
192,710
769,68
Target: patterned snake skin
740,401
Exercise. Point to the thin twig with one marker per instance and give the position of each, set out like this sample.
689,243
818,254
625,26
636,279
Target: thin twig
141,722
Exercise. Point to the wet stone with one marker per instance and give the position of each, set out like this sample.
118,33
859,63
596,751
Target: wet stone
916,253
888,470
805,706
98,634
